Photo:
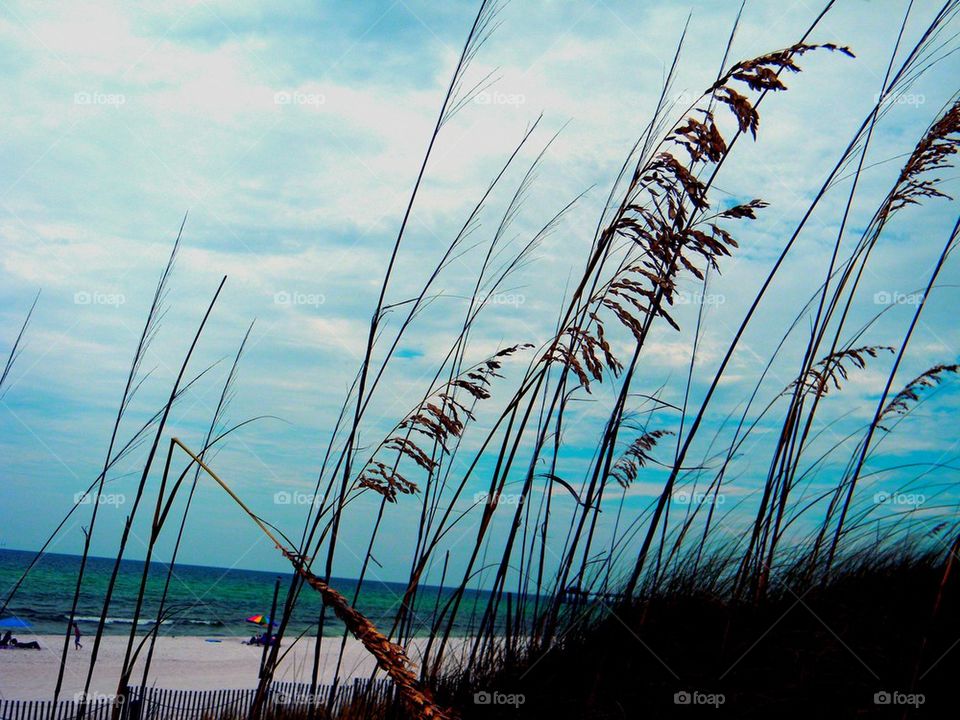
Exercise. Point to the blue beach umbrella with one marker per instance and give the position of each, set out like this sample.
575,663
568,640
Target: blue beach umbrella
13,622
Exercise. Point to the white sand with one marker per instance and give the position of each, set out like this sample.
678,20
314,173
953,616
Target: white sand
185,663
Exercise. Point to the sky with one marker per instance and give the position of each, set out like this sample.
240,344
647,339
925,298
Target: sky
292,134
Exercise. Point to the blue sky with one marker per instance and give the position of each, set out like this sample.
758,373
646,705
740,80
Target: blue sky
293,134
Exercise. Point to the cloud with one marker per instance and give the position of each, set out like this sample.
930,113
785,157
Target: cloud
294,135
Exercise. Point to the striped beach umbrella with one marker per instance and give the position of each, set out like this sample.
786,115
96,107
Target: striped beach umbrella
259,620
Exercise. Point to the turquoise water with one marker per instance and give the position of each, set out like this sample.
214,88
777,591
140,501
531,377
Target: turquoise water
207,601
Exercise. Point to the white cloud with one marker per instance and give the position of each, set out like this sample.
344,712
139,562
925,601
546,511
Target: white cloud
296,171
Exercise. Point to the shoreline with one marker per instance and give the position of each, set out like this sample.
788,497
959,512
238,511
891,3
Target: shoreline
178,663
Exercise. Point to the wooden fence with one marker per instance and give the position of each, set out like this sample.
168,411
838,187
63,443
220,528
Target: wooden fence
365,698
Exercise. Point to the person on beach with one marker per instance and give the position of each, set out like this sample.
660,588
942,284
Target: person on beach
76,637
6,639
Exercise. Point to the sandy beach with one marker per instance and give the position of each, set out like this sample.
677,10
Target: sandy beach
187,663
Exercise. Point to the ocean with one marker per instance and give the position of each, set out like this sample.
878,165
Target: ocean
207,601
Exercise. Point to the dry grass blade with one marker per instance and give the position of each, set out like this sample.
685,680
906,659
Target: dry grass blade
660,218
911,392
761,74
381,479
439,417
933,152
390,657
829,371
636,456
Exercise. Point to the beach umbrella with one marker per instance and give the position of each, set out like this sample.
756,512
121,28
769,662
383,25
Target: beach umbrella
259,620
14,622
